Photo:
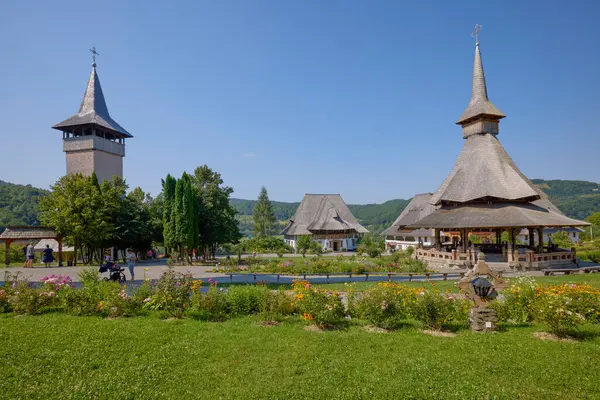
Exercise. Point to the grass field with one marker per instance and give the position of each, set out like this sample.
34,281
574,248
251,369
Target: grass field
58,356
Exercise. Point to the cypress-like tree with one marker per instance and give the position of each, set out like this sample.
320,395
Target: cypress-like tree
169,198
94,179
263,215
187,221
177,217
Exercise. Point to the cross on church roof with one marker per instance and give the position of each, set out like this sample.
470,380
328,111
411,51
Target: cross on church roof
475,33
94,54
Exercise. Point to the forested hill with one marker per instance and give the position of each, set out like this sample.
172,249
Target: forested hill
577,199
19,204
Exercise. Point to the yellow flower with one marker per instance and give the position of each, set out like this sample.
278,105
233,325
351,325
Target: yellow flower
300,296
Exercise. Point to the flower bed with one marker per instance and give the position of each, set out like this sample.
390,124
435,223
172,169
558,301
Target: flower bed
561,308
325,265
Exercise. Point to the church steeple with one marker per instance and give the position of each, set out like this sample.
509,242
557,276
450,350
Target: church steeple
481,116
93,110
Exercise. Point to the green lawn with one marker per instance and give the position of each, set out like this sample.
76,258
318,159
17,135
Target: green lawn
58,356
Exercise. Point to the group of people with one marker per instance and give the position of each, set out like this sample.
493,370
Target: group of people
48,257
29,253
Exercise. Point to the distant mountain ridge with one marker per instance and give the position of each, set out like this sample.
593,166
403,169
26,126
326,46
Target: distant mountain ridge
577,199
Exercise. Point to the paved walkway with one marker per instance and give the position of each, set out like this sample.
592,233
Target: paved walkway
154,269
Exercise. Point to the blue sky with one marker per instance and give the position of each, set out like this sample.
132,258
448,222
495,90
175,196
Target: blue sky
351,97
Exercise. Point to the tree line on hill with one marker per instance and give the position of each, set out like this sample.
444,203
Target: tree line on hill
201,215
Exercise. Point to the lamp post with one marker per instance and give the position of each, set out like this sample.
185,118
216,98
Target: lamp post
479,289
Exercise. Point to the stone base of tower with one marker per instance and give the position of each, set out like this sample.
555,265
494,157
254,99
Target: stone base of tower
105,165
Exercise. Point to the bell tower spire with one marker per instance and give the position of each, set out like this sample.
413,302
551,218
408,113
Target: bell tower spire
481,116
92,140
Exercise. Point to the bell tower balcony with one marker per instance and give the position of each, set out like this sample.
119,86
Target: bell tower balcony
92,142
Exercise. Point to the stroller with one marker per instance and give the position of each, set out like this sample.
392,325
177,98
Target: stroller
115,273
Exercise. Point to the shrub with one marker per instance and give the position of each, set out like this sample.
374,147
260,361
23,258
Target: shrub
22,298
211,306
409,251
27,300
518,299
557,312
383,306
433,309
172,294
277,304
581,299
319,307
91,298
591,255
411,265
4,303
397,256
372,245
247,299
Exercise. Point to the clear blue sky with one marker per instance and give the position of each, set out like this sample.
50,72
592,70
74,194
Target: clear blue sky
351,97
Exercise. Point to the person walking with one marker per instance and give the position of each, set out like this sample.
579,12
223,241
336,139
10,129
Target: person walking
47,257
30,255
131,257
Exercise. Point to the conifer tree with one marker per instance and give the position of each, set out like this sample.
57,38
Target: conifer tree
168,198
94,179
176,216
263,215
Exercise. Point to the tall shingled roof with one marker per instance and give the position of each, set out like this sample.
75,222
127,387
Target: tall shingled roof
480,104
484,170
486,189
322,212
93,110
418,208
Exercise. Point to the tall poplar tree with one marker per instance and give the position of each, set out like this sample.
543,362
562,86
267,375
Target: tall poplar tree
168,199
177,218
263,215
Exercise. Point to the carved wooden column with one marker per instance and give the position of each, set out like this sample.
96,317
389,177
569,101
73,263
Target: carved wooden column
531,231
7,243
60,254
438,240
541,239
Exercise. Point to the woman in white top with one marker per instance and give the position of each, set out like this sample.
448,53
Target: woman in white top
131,262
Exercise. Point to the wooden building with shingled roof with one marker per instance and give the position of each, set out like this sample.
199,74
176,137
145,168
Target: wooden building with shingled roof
328,220
486,191
15,234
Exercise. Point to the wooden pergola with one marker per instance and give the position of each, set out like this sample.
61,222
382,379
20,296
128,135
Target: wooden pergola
28,233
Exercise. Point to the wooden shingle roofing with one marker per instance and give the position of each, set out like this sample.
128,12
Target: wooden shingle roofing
27,233
93,110
322,212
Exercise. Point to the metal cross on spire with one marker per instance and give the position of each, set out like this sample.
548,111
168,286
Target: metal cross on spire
475,33
94,54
